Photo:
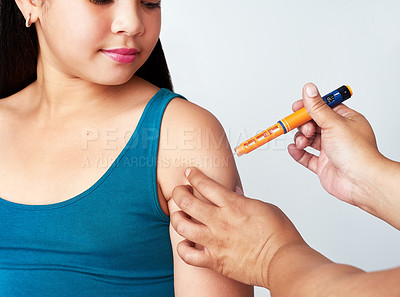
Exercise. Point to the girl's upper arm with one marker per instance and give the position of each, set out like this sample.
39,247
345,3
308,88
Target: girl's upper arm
192,137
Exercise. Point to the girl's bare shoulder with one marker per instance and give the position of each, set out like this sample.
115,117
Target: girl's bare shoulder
183,114
191,136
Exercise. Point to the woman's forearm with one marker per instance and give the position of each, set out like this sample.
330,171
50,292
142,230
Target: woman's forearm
297,270
379,191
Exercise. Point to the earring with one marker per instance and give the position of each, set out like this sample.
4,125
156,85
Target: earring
28,21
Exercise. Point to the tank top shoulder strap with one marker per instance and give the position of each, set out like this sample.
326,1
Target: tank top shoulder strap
156,108
143,150
149,130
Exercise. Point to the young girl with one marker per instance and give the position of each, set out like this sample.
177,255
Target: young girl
90,154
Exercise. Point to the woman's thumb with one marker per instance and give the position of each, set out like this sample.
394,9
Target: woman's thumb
316,107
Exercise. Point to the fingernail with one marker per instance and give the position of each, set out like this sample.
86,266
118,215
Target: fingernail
187,172
311,91
239,191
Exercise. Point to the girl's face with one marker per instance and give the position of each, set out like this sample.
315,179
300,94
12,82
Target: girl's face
101,41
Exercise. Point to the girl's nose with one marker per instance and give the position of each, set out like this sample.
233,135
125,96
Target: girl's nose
127,20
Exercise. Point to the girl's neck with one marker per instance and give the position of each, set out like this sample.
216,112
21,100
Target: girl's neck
57,94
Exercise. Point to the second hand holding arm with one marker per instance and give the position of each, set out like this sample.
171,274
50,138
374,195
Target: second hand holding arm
238,236
255,243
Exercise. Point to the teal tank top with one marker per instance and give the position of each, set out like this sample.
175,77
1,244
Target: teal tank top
111,240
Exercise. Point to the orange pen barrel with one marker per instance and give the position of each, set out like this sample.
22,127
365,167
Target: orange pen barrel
296,119
260,139
291,122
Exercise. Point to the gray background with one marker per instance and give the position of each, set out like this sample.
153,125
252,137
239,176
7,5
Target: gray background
247,61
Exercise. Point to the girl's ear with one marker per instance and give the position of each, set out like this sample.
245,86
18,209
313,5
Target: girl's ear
29,8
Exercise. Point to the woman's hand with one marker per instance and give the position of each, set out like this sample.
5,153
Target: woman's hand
349,164
238,236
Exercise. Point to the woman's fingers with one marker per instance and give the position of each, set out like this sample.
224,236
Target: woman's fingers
194,256
189,229
196,208
304,158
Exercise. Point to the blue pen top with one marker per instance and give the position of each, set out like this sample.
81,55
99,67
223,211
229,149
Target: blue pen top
338,96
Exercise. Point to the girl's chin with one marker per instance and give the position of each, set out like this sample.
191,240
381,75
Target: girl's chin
115,80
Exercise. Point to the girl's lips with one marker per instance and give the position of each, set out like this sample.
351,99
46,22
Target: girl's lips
121,55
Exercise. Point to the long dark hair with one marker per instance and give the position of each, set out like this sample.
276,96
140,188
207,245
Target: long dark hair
19,51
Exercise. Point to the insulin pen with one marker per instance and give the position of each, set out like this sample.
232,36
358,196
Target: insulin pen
291,122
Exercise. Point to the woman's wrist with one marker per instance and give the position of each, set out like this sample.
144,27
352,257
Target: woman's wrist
377,191
281,234
289,265
298,270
